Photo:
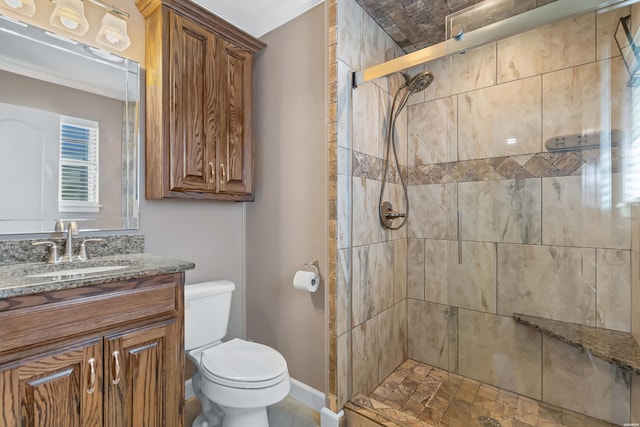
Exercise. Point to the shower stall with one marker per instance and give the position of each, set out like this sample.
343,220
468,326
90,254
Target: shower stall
510,296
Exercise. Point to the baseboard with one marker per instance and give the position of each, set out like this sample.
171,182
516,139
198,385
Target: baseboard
301,392
328,418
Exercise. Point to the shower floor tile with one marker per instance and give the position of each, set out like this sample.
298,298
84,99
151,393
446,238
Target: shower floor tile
419,395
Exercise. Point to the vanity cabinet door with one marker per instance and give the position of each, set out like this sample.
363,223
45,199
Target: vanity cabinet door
143,375
54,390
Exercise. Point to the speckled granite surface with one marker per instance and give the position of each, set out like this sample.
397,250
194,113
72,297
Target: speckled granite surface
618,348
15,280
21,251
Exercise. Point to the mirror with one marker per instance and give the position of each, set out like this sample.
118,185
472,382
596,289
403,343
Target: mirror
68,133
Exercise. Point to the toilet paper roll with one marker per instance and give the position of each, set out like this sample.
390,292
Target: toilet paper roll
306,281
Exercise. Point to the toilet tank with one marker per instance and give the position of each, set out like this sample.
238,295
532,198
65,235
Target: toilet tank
206,312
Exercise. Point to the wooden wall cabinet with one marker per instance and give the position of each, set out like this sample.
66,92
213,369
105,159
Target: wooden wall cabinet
108,355
199,95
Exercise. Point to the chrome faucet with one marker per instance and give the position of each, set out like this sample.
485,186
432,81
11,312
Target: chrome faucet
72,230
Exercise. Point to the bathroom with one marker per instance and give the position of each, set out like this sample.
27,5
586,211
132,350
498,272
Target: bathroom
391,296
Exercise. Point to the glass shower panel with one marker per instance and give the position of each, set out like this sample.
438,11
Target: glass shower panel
539,250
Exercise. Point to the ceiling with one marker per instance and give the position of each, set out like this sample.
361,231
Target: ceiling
258,17
412,24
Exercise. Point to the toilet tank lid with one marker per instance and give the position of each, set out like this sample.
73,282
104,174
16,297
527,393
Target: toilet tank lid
205,289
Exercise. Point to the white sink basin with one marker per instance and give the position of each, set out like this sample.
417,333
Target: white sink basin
79,272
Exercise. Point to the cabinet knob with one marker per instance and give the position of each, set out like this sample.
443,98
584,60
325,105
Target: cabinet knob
116,366
92,376
211,172
224,174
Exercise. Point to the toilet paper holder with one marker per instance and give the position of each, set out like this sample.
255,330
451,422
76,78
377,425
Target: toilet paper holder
313,264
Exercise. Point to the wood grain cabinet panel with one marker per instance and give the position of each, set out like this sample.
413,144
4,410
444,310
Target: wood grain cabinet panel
61,389
199,118
122,373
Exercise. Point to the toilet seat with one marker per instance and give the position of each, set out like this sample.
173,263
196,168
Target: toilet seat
243,364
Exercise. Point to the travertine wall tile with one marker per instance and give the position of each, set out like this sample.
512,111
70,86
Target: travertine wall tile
501,211
606,25
473,70
372,286
366,110
428,333
399,270
393,339
498,351
365,211
502,120
343,109
436,270
344,190
415,269
432,207
575,380
364,356
547,281
581,211
472,283
614,289
568,108
343,292
556,46
344,372
433,131
349,28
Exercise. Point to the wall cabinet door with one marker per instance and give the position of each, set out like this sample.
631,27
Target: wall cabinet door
60,389
192,106
140,377
199,95
235,146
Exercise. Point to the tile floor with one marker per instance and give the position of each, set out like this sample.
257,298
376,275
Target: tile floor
288,413
419,395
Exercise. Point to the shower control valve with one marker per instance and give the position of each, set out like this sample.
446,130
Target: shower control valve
387,214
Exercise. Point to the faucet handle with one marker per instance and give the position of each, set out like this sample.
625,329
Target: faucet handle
83,256
53,257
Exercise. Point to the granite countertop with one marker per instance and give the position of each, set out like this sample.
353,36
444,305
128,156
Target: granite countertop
616,347
15,280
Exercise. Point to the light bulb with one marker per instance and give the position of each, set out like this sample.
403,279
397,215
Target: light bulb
71,24
16,4
112,38
23,7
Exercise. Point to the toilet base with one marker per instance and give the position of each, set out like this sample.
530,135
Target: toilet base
243,417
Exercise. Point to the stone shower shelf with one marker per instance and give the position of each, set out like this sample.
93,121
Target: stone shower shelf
615,347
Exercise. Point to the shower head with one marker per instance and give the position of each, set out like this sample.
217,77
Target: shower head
419,82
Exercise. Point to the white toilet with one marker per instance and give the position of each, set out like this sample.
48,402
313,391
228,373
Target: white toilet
236,380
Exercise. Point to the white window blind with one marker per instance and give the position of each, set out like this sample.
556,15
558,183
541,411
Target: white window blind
78,177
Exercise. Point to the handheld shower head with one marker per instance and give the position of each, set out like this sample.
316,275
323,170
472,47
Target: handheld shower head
419,82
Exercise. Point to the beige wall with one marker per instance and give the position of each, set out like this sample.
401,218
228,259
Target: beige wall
286,223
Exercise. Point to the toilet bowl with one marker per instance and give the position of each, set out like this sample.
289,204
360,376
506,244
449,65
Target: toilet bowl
236,380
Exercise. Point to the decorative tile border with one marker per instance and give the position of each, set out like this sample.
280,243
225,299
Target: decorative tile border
539,165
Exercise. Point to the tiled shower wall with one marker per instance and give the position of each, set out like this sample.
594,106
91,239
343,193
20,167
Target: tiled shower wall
370,321
542,233
533,239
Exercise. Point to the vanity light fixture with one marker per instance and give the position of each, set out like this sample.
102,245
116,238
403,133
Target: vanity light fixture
113,32
69,16
23,7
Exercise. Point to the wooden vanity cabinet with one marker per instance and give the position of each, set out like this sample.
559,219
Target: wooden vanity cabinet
107,355
199,96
